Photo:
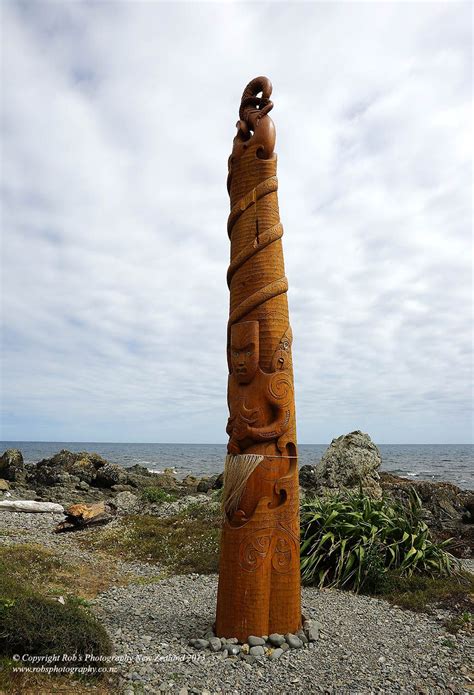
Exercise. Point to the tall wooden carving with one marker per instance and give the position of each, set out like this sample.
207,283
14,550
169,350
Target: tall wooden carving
259,578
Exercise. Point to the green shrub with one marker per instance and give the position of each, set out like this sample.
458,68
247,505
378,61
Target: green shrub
31,621
157,495
38,625
352,541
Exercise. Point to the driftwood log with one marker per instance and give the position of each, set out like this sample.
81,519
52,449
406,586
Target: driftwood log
79,516
30,506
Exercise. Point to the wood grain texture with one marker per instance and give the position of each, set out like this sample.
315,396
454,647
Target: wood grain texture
259,577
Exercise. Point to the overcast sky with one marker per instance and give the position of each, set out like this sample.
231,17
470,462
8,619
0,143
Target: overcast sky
118,121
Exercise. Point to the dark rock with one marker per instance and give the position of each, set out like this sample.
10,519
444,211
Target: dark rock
254,641
204,485
446,508
218,482
81,465
307,476
12,466
138,470
84,469
109,475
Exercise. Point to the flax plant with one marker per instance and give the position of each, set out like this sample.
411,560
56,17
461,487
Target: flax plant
352,541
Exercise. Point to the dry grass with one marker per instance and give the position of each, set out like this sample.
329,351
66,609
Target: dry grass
184,543
33,563
42,684
424,594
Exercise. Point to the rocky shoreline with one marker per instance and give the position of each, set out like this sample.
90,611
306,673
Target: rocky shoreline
350,463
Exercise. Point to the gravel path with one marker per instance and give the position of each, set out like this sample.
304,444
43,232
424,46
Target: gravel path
365,645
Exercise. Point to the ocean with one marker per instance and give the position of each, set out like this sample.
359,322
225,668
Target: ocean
447,462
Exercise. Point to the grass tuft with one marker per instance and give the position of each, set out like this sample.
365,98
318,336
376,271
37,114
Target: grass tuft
156,495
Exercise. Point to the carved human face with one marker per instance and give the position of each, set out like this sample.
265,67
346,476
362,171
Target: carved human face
244,350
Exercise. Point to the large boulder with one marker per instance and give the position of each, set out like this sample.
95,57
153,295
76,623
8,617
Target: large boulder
82,465
351,462
12,466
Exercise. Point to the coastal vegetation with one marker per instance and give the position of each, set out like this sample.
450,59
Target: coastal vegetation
182,543
44,612
155,495
353,541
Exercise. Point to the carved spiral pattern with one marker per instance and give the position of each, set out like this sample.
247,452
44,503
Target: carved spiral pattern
254,551
281,560
273,543
281,387
266,237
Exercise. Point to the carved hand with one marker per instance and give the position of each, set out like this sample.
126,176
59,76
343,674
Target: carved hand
241,429
233,447
272,431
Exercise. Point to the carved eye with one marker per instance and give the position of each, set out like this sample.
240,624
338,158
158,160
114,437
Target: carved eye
249,352
235,353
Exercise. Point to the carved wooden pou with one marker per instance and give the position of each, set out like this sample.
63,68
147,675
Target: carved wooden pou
259,576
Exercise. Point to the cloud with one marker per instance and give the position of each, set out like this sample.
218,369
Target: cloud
118,121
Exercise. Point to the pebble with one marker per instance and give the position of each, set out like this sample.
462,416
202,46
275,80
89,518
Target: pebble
276,653
256,641
311,628
276,640
215,644
293,641
258,650
201,644
233,649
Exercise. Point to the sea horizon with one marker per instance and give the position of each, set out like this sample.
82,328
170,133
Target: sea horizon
436,462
